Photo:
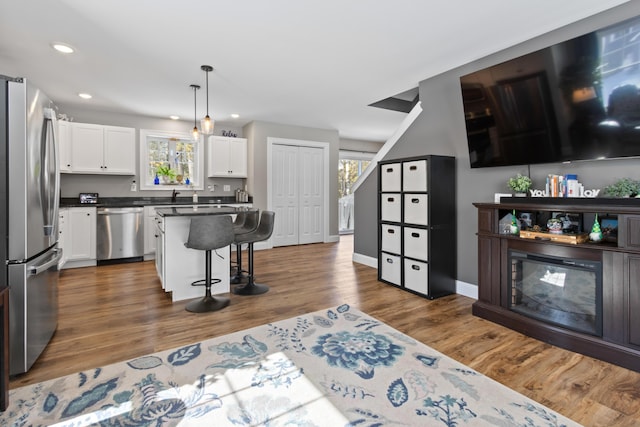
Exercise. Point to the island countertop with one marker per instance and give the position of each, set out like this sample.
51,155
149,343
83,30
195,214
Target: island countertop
201,210
119,202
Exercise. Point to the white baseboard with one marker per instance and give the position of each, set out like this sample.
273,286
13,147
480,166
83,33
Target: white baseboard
364,259
333,239
466,289
80,263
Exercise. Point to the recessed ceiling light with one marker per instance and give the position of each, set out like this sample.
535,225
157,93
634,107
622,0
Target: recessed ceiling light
63,48
235,116
174,117
85,95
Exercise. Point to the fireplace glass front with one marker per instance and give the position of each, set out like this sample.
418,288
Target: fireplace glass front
561,291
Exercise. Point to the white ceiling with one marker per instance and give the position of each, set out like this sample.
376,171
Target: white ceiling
306,63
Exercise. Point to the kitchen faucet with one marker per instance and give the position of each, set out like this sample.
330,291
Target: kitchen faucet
173,195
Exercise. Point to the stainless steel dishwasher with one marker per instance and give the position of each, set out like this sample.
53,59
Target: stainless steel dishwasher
120,235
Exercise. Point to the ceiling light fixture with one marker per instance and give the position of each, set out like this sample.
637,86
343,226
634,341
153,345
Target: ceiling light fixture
195,133
235,116
174,117
63,48
85,95
207,124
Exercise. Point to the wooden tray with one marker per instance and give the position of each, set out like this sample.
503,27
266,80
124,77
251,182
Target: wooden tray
573,239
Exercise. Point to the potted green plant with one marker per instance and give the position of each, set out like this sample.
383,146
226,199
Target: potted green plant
167,174
520,184
624,187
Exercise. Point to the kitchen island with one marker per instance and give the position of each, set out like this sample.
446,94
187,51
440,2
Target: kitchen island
179,266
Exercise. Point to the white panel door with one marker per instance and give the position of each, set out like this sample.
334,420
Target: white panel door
285,194
311,200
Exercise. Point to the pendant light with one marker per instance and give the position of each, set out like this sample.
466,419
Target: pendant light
195,133
207,123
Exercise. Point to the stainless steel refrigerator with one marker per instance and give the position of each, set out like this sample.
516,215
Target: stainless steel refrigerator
30,194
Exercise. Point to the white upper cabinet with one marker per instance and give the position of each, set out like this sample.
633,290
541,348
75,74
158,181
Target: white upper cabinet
97,149
64,145
227,157
87,142
119,150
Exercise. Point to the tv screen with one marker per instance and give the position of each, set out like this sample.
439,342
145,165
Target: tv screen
576,100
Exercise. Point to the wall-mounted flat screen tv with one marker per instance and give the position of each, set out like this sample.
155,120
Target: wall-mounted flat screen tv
576,100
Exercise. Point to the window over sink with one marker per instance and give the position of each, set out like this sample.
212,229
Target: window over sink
174,158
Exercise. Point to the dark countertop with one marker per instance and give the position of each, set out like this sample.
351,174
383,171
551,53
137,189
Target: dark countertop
120,202
200,210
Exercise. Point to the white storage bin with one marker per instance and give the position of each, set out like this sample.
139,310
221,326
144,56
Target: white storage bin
390,207
416,276
391,238
414,176
415,209
416,243
390,177
391,268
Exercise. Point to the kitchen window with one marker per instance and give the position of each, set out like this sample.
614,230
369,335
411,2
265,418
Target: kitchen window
174,158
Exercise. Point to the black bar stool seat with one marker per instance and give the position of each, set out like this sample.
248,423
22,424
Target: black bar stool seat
263,232
208,233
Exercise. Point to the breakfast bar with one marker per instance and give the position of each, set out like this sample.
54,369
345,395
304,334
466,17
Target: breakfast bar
179,266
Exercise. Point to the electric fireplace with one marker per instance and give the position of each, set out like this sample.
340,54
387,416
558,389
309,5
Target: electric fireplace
566,292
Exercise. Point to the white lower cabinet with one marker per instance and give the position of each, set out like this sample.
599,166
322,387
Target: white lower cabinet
79,242
159,245
150,232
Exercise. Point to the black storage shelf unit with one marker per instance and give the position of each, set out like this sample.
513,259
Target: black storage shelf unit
417,224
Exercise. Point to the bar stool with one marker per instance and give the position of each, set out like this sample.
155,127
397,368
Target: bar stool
263,232
208,233
249,224
237,226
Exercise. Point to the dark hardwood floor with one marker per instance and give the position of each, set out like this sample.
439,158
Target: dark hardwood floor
118,312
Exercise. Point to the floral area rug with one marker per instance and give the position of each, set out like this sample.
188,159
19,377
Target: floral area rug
336,367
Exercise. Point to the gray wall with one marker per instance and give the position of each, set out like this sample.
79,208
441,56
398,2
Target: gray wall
440,129
360,145
120,186
257,134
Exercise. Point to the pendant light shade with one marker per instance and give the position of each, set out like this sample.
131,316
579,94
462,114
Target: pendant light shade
195,134
207,123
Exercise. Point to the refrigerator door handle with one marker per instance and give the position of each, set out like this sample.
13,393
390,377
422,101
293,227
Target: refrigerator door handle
49,171
37,269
